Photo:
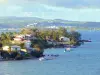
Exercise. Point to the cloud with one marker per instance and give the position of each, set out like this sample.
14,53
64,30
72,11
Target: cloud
69,3
78,10
58,3
12,10
3,1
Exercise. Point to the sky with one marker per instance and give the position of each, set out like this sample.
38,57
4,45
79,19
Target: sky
75,10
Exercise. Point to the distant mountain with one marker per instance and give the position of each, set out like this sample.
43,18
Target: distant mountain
17,22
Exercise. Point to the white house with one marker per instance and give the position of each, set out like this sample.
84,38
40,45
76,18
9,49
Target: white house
28,44
15,48
65,39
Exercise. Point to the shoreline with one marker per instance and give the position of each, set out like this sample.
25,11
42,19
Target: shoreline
33,58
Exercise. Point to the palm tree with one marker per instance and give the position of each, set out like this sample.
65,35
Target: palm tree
5,38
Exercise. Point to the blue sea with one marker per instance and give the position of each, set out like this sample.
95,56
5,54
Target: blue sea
84,60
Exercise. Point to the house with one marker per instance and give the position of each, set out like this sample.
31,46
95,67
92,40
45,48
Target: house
6,48
64,39
27,44
29,37
15,48
24,37
19,38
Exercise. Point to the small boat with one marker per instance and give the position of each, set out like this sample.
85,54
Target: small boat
67,49
48,57
41,58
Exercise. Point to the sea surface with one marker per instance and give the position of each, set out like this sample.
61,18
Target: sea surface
84,60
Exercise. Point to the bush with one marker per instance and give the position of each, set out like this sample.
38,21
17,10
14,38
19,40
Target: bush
36,54
4,54
13,54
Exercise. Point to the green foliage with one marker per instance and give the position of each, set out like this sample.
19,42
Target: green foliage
27,55
22,45
38,43
1,45
62,31
74,38
56,34
5,38
36,53
29,31
39,46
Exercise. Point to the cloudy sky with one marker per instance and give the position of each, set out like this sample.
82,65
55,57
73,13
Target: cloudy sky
76,10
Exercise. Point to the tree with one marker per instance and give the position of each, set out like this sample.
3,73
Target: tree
38,52
5,38
39,47
62,32
29,31
74,38
1,46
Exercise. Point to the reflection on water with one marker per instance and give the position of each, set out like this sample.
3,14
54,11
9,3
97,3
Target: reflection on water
84,60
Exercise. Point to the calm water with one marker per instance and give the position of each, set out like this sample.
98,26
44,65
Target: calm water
84,60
